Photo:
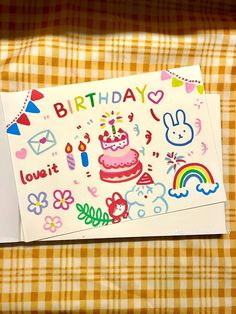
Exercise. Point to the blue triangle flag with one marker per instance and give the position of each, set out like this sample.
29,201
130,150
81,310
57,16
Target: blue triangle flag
32,108
13,129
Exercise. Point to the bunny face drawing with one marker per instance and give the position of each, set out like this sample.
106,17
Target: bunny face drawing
179,133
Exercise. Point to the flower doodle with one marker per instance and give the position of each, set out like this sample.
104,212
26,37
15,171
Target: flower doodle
63,199
52,223
37,202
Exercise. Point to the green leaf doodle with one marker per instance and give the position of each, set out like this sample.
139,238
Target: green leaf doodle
92,216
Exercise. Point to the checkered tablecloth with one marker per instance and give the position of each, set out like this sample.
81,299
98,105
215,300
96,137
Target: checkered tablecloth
45,43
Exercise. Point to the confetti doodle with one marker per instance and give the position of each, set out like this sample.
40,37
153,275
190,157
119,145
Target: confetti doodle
136,129
198,103
148,136
92,191
42,141
155,154
87,137
90,122
76,182
79,126
149,167
154,116
88,174
69,157
198,125
21,154
83,154
206,184
204,148
142,151
179,133
46,117
173,161
131,117
76,137
117,207
54,154
190,153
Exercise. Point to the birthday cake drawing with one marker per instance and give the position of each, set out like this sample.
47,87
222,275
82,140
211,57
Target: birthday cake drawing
118,163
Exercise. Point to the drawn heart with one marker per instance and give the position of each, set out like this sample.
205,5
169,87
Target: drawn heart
165,75
21,154
112,121
36,95
156,97
43,140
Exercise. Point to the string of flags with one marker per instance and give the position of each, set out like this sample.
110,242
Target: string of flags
22,117
177,80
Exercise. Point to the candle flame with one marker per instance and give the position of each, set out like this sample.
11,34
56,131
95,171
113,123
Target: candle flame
81,147
68,148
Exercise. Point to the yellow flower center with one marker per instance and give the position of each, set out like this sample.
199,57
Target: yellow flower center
63,200
37,204
52,224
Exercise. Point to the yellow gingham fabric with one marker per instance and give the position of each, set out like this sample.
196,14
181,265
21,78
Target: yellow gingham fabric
45,43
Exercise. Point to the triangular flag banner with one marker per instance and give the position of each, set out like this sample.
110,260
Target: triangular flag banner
36,95
23,119
189,87
200,89
13,129
165,75
32,108
176,82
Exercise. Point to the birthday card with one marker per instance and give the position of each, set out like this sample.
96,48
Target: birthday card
107,152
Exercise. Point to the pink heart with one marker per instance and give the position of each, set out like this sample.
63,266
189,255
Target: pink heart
43,140
21,154
111,122
156,97
189,87
165,75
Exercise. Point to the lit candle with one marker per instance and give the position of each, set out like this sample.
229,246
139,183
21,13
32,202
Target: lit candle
84,155
70,157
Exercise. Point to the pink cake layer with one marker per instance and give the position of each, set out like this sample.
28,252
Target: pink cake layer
128,160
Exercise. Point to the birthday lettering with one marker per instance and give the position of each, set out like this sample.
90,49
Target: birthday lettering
139,94
43,173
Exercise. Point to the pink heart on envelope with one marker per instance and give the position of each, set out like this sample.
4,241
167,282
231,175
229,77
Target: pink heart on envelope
21,154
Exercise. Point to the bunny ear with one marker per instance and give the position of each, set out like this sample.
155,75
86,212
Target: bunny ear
180,116
168,120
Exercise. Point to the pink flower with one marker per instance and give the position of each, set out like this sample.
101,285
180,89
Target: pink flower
52,223
63,199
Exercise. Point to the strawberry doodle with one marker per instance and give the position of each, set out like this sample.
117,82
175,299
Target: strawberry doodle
117,207
148,136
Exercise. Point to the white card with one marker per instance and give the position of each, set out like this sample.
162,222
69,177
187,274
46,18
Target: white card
142,146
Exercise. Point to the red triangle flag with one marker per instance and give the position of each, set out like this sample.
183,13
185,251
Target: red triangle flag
36,95
23,119
145,179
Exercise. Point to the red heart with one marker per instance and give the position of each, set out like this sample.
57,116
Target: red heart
23,119
36,95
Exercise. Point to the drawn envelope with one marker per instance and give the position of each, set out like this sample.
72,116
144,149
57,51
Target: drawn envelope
42,141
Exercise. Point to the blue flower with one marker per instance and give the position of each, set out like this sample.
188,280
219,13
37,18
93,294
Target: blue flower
37,202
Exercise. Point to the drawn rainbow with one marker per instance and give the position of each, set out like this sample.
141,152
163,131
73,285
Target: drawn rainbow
188,171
